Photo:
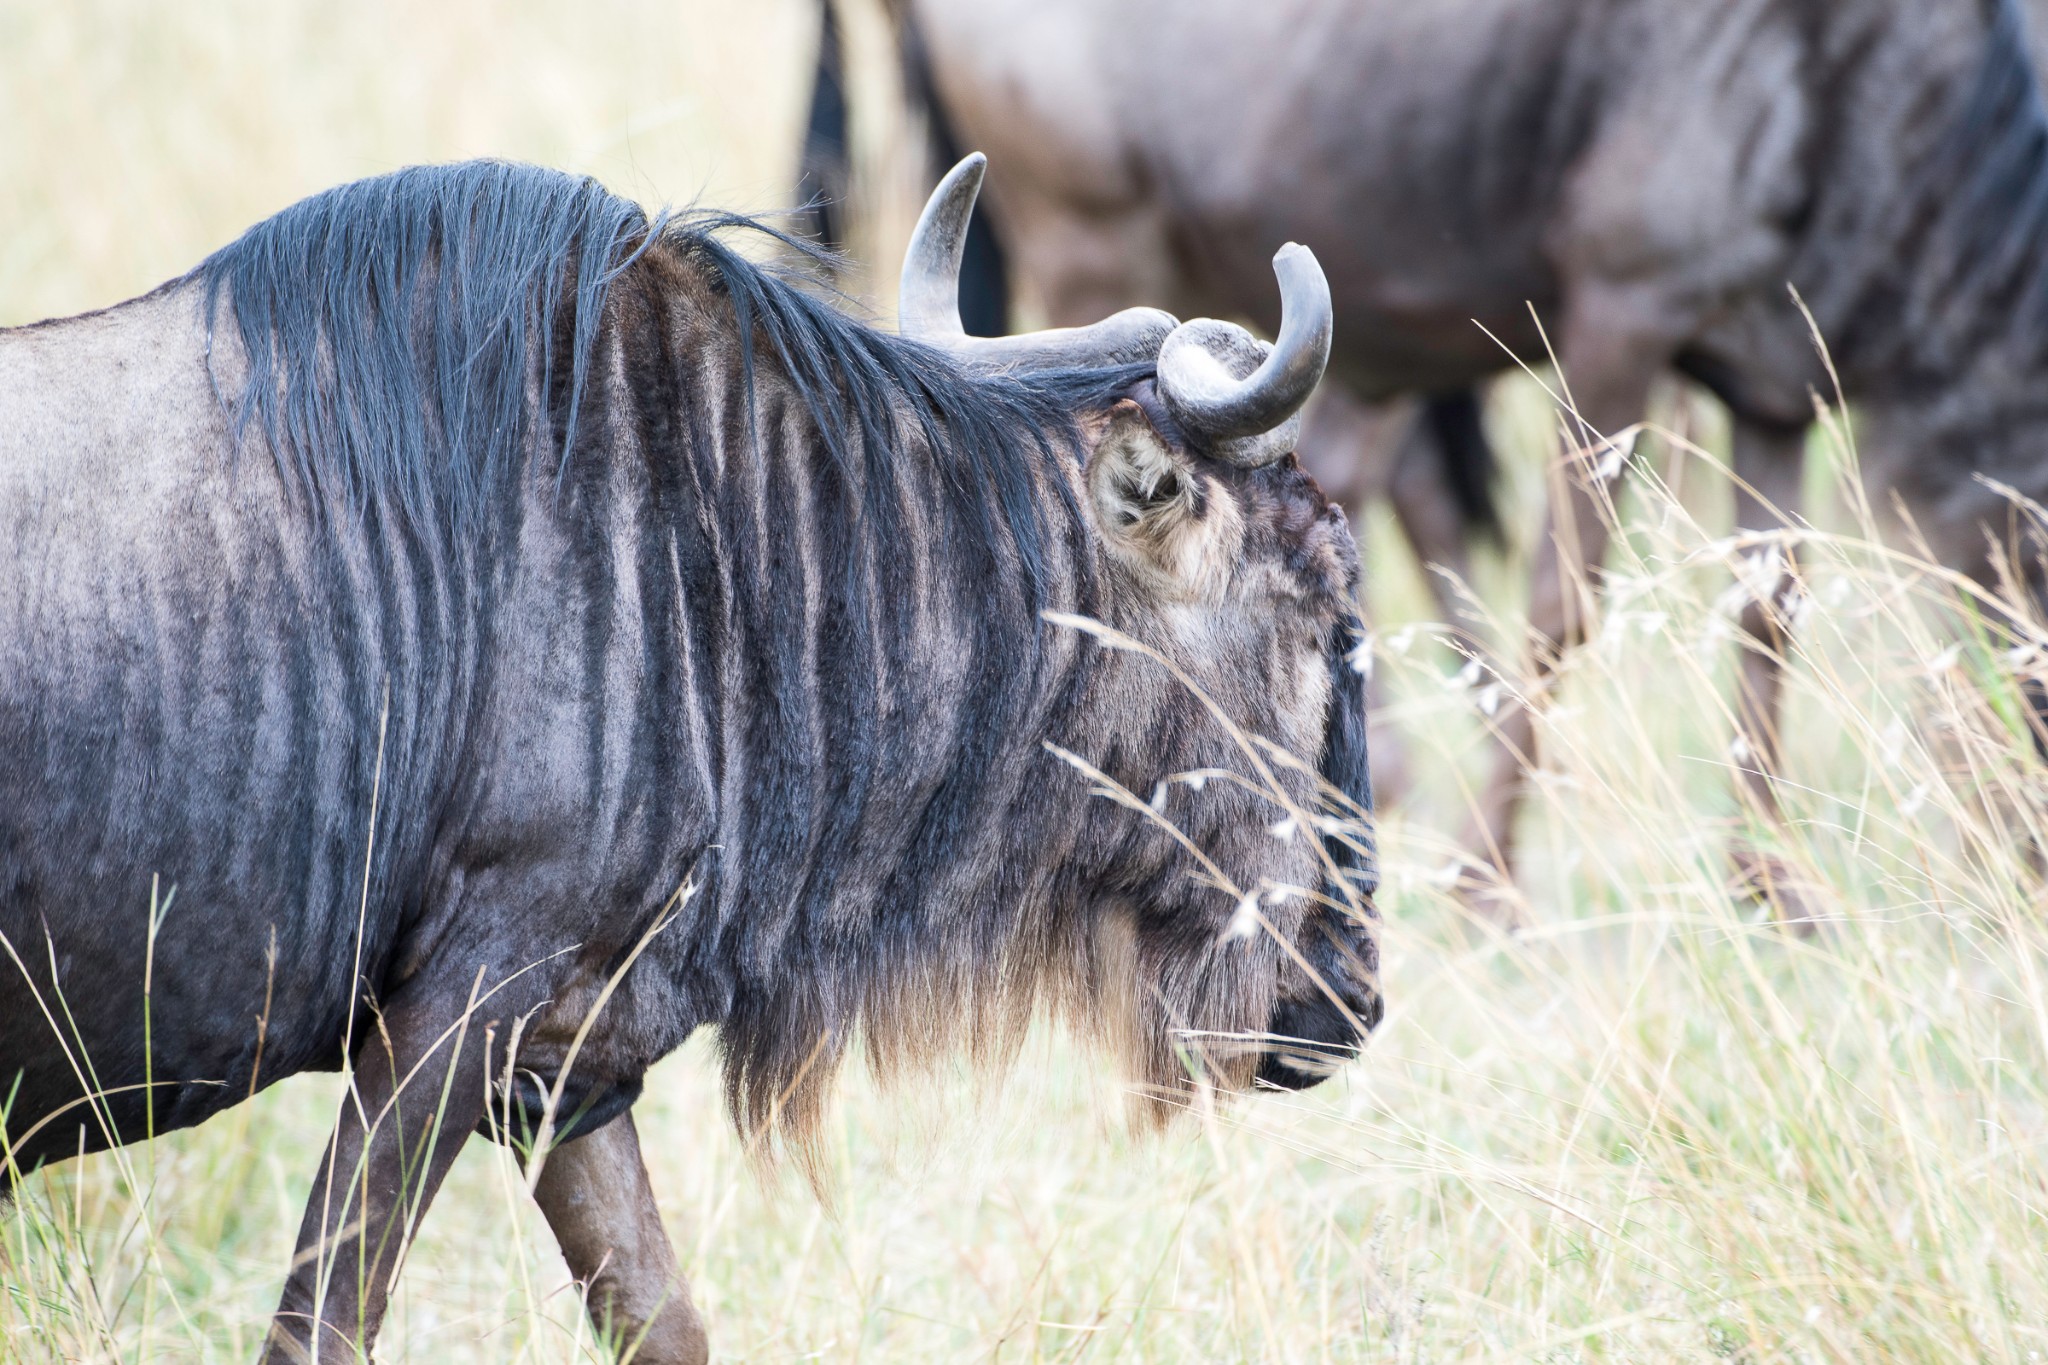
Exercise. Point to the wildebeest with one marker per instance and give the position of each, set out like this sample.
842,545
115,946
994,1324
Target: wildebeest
1647,176
470,630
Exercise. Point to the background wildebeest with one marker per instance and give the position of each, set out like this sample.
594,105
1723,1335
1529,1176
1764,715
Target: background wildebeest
1648,176
513,634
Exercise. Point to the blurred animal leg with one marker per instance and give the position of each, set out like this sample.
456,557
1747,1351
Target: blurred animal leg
1768,463
595,1193
419,1089
1431,517
1431,521
1610,357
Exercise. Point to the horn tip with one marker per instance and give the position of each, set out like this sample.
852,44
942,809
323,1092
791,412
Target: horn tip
962,183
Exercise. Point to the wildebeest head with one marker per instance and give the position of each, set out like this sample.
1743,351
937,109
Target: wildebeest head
1227,923
1243,576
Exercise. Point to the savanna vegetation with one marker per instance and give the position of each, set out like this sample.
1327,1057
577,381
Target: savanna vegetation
1656,1125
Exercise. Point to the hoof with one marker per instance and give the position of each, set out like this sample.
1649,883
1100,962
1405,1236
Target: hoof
1763,879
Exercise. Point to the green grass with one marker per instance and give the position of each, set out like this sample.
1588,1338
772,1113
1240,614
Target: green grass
1655,1127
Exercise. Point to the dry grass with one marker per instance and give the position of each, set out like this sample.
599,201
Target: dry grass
1657,1127
141,136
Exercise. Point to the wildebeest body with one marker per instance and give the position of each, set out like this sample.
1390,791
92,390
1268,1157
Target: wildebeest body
197,691
462,592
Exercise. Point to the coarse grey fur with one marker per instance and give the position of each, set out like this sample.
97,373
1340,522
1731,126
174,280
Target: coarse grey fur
470,630
1649,175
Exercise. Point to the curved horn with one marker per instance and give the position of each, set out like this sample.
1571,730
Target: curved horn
928,300
1239,396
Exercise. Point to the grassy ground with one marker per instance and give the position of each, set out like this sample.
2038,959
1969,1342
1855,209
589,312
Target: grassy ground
1656,1127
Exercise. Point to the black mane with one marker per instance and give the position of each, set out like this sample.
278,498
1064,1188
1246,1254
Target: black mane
394,328
390,326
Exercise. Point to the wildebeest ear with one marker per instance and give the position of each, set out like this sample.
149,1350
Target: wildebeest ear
1152,504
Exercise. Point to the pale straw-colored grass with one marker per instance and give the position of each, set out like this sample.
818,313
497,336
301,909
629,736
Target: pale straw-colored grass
1656,1126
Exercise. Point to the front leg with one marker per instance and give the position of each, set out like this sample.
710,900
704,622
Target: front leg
1613,352
597,1199
418,1088
1768,465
